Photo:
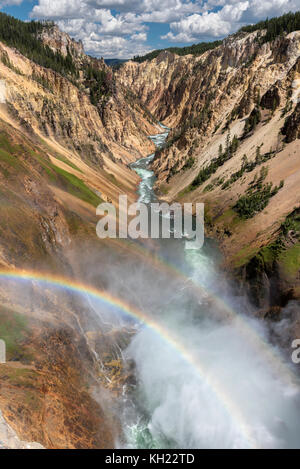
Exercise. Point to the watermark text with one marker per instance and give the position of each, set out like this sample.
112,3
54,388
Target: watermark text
2,352
152,221
296,353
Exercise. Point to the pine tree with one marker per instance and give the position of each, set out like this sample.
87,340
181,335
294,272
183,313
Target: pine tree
220,150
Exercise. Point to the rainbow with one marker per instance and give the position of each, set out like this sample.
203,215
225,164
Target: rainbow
272,356
105,298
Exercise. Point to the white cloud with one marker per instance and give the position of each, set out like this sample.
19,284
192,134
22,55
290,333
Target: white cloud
268,8
107,25
102,33
139,37
232,15
142,8
147,6
118,28
116,47
122,34
207,24
106,39
57,9
6,3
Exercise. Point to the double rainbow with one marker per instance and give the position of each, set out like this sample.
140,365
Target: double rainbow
108,300
270,354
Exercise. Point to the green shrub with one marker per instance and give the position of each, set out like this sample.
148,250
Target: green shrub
257,197
24,37
98,82
208,171
195,49
189,163
248,166
275,26
252,121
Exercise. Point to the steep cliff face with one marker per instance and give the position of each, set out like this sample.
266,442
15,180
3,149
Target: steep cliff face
57,40
291,128
161,84
10,440
55,107
89,127
48,222
233,113
196,95
65,145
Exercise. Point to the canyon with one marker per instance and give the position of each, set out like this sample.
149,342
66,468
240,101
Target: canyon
69,141
208,101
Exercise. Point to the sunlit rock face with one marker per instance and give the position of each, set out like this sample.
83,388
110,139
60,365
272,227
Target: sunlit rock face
209,99
57,40
61,156
196,95
9,439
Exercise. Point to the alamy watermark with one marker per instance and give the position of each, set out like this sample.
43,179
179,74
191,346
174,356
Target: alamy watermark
296,353
2,92
2,352
152,221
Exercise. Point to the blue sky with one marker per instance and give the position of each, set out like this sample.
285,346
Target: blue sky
124,28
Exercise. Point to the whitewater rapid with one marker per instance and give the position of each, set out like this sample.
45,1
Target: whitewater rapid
205,381
142,168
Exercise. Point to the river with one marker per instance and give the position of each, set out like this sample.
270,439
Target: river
206,373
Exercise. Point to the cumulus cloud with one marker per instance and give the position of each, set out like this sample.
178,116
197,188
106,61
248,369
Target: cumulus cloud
269,8
188,29
139,37
102,33
230,16
108,39
118,28
56,9
145,10
6,3
147,6
208,24
116,47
